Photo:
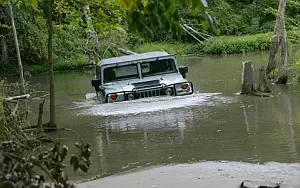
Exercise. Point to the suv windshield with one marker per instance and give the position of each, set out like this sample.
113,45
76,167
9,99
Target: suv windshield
158,67
123,72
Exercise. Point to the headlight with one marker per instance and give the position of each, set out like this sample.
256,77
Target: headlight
184,88
115,97
130,96
169,91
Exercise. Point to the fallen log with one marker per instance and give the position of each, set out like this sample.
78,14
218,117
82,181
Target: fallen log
126,52
8,99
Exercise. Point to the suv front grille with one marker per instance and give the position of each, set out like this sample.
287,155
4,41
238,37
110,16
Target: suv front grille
149,93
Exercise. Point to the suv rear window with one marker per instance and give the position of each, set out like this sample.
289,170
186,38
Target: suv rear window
123,72
165,66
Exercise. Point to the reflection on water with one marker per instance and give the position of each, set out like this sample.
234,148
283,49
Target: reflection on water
214,124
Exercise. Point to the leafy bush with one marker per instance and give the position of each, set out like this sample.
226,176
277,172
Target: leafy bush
25,160
216,45
20,159
238,44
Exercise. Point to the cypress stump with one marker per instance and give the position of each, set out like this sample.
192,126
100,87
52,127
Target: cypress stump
248,79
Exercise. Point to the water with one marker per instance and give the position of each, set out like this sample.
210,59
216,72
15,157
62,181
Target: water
214,124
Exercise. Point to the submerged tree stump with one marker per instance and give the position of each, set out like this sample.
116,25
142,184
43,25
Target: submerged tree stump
263,83
40,118
247,79
248,82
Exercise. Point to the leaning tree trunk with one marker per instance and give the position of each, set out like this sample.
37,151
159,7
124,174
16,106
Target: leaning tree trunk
93,36
52,122
279,43
22,81
248,76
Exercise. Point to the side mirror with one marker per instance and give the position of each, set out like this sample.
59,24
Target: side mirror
183,70
96,84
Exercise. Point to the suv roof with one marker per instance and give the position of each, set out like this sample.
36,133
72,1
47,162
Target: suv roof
136,57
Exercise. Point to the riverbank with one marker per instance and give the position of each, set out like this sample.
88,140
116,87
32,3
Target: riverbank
216,45
206,174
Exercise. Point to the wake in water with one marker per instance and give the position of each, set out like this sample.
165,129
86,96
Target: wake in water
146,105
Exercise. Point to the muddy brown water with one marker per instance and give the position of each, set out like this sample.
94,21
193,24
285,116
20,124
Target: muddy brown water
214,124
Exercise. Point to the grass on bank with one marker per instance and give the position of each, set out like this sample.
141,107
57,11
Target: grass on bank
216,45
172,48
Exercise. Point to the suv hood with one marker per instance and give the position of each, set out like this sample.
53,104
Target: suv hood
127,85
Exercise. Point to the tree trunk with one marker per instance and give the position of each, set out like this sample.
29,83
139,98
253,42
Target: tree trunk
283,78
40,118
93,36
247,77
4,55
3,32
22,81
3,122
52,122
279,42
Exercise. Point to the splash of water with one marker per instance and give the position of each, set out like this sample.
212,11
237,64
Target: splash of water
146,105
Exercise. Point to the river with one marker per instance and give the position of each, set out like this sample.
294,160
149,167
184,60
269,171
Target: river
214,124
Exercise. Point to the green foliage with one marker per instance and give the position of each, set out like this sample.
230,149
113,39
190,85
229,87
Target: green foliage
28,3
233,44
32,36
148,16
244,17
122,27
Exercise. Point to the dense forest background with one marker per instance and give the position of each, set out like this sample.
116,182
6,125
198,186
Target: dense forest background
72,45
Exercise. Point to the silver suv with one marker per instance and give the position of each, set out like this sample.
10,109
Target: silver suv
138,76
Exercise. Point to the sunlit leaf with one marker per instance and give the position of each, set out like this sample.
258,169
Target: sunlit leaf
205,25
34,4
195,6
